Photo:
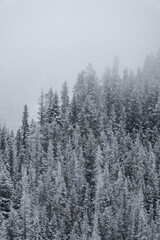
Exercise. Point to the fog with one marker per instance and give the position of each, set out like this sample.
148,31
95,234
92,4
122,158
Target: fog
45,42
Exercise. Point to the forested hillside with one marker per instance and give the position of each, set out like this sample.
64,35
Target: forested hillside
89,168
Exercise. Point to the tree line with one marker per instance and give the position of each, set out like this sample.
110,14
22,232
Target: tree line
89,167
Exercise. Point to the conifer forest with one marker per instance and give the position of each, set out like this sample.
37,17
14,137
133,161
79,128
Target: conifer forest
89,167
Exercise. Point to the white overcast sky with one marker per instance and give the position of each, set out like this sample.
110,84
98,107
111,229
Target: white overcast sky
45,42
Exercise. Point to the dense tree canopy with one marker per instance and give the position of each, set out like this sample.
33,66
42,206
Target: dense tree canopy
89,168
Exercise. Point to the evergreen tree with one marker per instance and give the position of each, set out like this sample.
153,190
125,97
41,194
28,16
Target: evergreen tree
25,126
89,168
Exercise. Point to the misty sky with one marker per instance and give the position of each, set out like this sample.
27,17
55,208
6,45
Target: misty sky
45,42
